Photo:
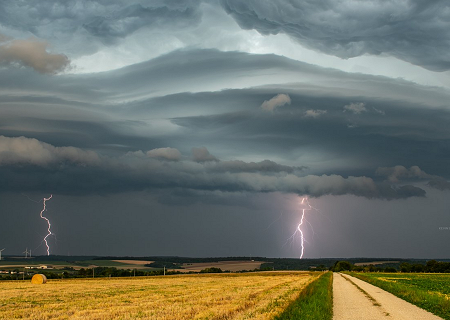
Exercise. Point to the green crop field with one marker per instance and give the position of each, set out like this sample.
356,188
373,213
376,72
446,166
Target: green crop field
429,291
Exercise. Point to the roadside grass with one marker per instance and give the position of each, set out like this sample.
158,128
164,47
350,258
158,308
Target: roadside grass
428,291
314,302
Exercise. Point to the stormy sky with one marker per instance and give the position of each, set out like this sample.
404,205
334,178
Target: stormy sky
195,128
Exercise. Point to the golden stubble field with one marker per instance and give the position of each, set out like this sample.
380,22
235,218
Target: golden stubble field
258,295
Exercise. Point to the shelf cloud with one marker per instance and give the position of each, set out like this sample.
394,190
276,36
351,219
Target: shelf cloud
32,159
414,31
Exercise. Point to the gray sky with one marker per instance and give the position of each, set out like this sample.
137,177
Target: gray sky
194,128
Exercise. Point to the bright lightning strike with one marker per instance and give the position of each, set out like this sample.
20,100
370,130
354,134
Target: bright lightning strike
305,206
49,225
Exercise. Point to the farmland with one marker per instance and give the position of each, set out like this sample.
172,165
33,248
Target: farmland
76,265
428,291
223,265
260,295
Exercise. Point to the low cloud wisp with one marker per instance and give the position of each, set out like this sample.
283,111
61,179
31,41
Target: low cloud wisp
278,101
32,53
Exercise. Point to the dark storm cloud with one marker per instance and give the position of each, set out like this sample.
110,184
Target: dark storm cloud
400,173
262,166
104,21
351,143
179,71
439,183
176,140
125,21
31,165
200,71
397,173
414,31
212,70
146,107
202,154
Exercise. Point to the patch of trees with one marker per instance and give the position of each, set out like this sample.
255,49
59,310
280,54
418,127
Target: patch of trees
114,272
211,270
296,264
342,266
432,266
347,266
162,264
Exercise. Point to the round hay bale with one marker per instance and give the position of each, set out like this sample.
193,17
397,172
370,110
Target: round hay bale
39,279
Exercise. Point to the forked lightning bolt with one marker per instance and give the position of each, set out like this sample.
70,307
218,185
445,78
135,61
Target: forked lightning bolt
300,229
305,206
49,225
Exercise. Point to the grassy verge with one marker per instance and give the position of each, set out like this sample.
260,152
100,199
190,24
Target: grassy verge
412,289
314,302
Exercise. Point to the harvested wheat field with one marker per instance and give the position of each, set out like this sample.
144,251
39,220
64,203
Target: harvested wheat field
218,296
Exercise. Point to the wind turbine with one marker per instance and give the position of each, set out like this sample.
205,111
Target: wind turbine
26,253
1,253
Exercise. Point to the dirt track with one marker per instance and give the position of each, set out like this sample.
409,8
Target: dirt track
349,303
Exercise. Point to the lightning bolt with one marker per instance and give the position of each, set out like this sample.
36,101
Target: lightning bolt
305,206
301,232
49,225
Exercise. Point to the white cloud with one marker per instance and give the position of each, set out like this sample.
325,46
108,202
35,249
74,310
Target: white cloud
356,108
379,111
349,29
278,101
165,153
22,150
314,113
31,53
397,173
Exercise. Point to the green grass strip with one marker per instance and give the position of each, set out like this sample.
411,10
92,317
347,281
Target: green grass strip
314,302
432,302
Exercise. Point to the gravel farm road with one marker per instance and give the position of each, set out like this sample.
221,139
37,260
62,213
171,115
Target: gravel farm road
354,299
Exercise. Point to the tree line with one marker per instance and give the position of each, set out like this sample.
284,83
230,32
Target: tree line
431,266
102,272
